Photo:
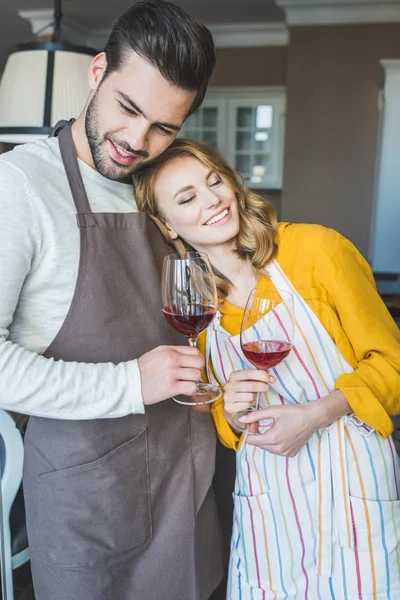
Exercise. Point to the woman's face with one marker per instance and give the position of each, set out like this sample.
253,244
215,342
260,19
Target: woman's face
196,205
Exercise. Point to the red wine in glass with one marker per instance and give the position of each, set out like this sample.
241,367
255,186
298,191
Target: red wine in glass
190,320
268,317
189,301
264,354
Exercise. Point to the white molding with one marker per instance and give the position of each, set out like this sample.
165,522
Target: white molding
235,35
38,19
339,12
390,63
244,35
72,31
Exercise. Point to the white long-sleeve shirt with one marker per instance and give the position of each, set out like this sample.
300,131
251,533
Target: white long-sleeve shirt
39,258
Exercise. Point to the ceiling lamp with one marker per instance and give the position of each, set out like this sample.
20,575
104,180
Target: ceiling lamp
43,82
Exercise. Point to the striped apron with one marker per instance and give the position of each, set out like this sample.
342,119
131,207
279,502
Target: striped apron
326,523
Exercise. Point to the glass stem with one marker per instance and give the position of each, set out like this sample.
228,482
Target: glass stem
193,344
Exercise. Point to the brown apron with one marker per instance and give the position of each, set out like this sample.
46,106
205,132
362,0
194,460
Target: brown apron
120,509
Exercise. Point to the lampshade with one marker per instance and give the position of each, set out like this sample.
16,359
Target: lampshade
42,83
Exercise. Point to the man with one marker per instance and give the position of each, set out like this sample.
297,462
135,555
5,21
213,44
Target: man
117,478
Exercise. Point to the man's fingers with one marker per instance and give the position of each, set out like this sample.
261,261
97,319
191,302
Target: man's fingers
189,374
184,350
185,388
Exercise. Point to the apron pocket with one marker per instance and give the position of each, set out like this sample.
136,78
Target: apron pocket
92,512
253,540
376,528
266,544
376,523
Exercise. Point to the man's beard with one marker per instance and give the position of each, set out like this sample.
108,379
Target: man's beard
103,163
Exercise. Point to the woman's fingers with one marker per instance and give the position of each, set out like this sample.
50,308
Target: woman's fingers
245,387
251,375
239,406
240,392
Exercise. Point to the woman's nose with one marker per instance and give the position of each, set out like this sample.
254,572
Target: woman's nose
212,199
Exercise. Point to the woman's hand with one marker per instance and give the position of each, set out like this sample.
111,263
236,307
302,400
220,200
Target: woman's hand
240,392
294,424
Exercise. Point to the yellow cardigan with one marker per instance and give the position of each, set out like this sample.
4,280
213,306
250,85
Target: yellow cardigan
338,285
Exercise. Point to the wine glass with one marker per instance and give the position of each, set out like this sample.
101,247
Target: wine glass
266,338
189,301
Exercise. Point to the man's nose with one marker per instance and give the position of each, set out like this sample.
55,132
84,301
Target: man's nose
138,135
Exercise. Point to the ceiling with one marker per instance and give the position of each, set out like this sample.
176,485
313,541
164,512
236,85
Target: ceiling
99,14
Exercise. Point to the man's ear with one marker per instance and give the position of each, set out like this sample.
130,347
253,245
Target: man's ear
97,68
172,234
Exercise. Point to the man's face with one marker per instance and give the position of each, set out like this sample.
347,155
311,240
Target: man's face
133,116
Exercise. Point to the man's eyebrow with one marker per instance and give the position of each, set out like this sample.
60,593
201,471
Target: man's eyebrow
136,108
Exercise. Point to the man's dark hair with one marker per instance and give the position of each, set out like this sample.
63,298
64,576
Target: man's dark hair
165,35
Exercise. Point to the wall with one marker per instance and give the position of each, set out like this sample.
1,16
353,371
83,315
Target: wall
333,82
250,66
333,77
13,31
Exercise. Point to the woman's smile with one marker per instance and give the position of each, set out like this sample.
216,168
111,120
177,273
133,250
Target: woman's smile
220,217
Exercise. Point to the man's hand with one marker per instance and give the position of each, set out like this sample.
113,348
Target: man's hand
169,371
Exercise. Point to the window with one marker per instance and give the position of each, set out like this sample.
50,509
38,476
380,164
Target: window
247,125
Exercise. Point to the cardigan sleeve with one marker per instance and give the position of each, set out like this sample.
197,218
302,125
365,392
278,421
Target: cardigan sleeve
373,388
225,433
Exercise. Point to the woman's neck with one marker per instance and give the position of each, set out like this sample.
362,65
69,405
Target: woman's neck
240,273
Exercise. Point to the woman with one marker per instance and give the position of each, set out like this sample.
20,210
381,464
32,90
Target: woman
316,502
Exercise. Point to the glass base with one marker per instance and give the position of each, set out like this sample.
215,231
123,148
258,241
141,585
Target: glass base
206,394
257,428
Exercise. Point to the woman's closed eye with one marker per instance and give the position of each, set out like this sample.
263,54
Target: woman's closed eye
186,200
215,182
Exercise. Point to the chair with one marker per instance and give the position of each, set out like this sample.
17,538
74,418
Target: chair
14,550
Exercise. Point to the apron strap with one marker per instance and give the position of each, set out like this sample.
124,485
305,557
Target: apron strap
68,155
332,494
210,331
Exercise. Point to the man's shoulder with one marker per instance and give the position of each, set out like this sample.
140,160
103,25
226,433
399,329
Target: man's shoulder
31,160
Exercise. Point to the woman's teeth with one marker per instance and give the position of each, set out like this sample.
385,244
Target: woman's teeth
218,217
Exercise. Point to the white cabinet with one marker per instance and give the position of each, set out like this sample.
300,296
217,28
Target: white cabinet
247,125
385,248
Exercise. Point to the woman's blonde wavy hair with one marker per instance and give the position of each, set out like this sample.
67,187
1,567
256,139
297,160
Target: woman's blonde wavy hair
257,237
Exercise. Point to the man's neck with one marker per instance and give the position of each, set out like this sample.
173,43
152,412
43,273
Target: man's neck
81,141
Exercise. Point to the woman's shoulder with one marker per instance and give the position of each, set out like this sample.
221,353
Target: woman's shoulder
308,247
306,239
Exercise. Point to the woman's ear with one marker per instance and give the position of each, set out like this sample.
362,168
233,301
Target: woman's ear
172,234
